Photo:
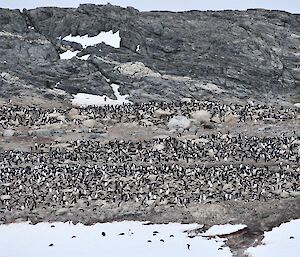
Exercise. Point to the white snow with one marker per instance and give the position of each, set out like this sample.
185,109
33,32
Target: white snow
109,38
137,48
277,243
82,99
84,57
25,240
68,55
219,230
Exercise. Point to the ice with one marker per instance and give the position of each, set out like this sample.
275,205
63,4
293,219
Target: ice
68,55
109,38
280,242
82,99
25,240
218,230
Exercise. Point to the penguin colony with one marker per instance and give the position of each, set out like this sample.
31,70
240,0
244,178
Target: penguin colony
213,168
12,115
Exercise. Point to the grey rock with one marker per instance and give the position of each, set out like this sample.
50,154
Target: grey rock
239,54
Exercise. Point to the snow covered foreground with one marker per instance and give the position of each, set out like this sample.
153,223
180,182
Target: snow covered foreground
82,99
25,240
283,241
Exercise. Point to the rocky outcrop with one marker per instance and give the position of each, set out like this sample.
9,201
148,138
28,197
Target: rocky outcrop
164,56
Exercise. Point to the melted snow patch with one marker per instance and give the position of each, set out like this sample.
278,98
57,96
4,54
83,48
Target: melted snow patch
68,240
82,99
219,230
109,38
281,241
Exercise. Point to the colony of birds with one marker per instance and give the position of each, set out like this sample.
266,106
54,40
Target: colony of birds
169,170
13,115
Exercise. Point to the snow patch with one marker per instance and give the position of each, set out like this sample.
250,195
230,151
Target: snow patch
137,48
25,240
68,55
84,57
82,99
281,241
109,38
219,230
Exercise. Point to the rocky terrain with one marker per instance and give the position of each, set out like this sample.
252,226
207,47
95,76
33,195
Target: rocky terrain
163,56
209,135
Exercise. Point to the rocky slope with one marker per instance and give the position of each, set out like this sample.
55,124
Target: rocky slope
163,55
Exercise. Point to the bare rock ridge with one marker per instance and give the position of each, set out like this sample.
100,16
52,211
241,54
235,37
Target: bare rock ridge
163,56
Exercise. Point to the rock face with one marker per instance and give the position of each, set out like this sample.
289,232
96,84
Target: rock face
163,56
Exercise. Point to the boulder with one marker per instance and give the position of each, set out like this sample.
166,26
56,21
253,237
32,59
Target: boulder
90,123
158,147
61,118
78,117
152,177
231,118
8,133
228,187
211,153
178,122
284,194
5,197
42,132
202,116
146,122
201,140
73,112
216,119
54,115
159,113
